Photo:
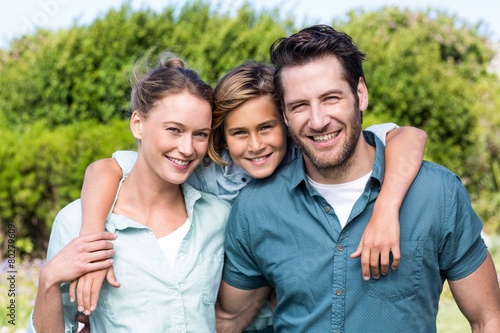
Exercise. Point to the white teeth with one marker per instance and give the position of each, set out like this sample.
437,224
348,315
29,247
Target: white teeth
258,159
179,162
325,137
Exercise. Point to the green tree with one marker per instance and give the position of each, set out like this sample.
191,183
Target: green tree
82,73
423,69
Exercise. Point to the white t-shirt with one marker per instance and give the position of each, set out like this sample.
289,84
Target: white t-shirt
342,197
171,243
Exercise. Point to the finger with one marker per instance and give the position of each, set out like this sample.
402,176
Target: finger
384,262
98,245
100,235
374,264
95,290
100,255
396,257
79,293
87,291
72,290
357,253
111,278
365,264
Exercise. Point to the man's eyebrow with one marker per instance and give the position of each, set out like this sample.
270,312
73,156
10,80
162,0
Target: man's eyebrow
326,93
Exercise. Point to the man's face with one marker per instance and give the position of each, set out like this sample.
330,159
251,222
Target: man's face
323,116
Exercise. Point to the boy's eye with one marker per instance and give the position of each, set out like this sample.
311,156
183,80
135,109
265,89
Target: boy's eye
266,127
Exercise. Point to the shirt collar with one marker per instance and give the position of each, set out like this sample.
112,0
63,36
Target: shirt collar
117,222
233,171
377,176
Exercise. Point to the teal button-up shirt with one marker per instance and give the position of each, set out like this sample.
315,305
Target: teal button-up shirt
152,296
283,233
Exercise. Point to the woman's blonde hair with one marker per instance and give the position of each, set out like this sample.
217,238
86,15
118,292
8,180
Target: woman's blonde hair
170,76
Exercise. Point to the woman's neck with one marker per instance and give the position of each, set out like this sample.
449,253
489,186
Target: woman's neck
152,202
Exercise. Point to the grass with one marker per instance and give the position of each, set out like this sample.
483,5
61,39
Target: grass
25,289
449,319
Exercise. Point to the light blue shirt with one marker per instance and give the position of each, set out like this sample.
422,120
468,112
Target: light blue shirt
152,296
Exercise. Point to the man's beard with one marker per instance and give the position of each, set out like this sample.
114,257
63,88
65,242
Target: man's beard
342,161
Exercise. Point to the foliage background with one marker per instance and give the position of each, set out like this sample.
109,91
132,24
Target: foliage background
65,94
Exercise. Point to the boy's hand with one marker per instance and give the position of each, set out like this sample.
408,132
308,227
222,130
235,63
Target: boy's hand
379,240
87,288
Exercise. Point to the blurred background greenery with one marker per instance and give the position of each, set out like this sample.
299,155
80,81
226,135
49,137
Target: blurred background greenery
65,94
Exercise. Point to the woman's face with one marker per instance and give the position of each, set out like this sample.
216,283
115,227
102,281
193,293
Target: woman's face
256,137
173,139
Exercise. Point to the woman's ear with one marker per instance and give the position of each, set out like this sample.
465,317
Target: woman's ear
136,124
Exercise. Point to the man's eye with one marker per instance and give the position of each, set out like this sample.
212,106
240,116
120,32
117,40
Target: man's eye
298,107
331,98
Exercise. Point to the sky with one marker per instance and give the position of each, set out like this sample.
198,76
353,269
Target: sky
23,17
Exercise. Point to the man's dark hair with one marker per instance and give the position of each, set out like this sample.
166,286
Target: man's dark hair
313,43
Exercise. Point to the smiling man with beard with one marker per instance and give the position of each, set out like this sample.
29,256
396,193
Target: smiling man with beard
294,231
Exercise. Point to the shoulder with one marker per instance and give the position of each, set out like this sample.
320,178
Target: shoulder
66,226
437,186
70,215
204,201
436,173
268,189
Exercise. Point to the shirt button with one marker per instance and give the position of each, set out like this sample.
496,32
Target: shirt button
181,258
327,209
338,292
244,180
340,248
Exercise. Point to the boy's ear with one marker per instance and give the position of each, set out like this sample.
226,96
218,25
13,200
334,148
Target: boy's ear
136,124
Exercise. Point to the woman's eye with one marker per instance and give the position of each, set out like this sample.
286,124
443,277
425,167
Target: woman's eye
266,127
202,135
237,133
173,130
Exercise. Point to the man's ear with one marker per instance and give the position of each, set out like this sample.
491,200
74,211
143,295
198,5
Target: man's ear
136,124
362,92
284,118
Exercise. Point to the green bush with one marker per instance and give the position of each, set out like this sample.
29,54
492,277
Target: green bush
41,170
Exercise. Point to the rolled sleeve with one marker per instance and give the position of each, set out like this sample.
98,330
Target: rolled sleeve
381,130
463,249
